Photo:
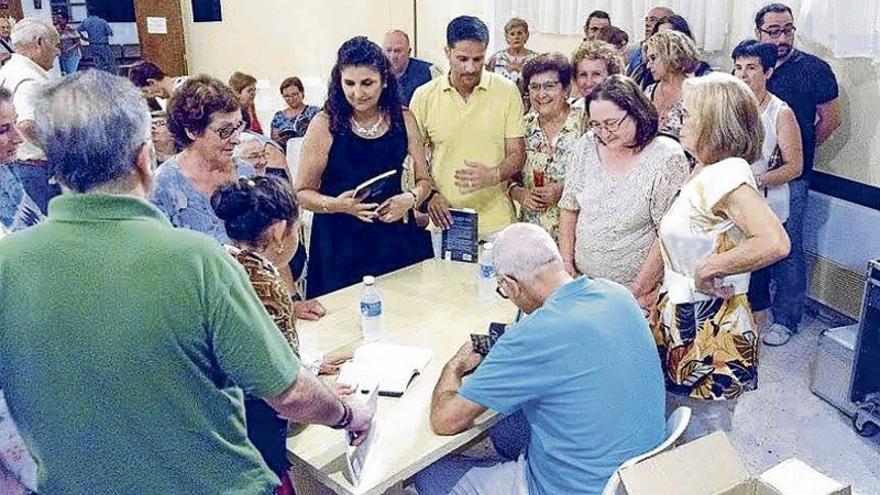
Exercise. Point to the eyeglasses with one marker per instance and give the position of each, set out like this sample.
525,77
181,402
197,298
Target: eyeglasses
607,126
776,33
226,132
547,86
498,290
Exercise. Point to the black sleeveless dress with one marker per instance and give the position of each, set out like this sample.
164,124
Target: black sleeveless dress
344,249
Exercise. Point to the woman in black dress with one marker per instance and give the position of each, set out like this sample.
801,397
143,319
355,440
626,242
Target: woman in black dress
362,132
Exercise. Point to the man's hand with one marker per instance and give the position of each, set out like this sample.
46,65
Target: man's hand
310,309
438,210
476,176
361,420
465,360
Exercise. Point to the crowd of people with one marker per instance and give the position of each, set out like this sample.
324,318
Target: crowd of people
642,208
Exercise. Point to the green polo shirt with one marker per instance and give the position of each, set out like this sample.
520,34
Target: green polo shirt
124,348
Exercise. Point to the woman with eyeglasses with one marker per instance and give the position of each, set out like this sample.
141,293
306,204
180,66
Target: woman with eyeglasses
362,132
552,129
293,121
671,57
621,180
204,116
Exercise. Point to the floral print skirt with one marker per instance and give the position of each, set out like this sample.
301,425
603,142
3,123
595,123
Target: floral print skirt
708,349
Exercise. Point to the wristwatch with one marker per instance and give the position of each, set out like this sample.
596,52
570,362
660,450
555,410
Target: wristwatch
347,416
424,206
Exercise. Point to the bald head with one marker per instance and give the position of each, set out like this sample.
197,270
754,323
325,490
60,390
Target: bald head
523,250
397,49
654,16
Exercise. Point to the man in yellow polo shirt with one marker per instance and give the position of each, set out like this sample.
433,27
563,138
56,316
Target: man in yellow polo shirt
472,122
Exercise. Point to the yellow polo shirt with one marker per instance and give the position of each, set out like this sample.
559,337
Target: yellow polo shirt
472,130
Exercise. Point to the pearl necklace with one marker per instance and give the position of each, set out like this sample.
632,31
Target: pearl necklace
371,132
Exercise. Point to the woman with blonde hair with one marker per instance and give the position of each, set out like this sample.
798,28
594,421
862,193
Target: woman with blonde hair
717,231
671,57
592,62
510,61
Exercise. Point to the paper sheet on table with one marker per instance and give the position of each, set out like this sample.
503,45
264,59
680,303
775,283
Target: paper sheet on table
392,366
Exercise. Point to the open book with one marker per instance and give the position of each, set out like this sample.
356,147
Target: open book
374,187
391,366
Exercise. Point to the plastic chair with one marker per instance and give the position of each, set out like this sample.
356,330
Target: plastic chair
675,425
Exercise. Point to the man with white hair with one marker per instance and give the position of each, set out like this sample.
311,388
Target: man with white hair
582,366
36,46
127,352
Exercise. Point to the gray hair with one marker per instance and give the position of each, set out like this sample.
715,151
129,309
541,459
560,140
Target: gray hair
29,30
243,139
522,250
92,126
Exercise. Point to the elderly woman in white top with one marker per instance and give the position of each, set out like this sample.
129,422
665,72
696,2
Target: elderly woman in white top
781,162
621,180
718,230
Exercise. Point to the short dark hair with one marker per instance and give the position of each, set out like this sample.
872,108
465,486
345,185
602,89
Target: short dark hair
193,104
615,36
466,28
626,94
250,205
292,81
597,14
360,51
141,74
779,8
677,22
548,62
765,52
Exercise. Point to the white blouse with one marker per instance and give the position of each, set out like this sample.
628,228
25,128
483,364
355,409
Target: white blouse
691,230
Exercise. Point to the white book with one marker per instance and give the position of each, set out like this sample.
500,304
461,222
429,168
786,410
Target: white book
391,366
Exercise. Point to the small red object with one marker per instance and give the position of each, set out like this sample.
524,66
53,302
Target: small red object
538,176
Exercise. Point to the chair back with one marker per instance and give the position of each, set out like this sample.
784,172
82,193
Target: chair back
676,424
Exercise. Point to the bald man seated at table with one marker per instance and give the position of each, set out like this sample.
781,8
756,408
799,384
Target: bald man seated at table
581,366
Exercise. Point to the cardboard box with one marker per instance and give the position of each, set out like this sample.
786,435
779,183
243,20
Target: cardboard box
711,466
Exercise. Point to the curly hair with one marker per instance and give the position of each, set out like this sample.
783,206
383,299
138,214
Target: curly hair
598,50
360,51
675,50
516,22
193,105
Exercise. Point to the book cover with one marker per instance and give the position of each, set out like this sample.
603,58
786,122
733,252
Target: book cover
460,240
374,187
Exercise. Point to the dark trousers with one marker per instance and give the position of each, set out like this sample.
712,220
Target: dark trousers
790,273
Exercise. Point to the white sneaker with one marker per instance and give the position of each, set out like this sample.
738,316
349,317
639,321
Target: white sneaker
777,335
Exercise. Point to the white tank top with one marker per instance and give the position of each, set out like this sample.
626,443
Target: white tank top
777,197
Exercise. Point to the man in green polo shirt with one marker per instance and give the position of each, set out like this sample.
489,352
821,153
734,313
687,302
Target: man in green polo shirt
126,344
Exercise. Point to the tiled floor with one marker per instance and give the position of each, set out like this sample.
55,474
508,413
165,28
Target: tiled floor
784,419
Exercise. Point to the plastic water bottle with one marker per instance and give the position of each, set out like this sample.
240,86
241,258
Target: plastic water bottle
372,322
487,280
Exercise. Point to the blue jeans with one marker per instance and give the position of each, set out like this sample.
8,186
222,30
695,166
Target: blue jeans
790,273
510,436
70,63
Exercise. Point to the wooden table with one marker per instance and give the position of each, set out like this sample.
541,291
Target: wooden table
433,304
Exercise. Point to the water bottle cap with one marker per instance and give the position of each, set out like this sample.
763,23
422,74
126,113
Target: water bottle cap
369,280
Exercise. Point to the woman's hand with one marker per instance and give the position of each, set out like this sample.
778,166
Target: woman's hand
395,208
348,204
708,281
333,361
309,309
528,199
549,195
